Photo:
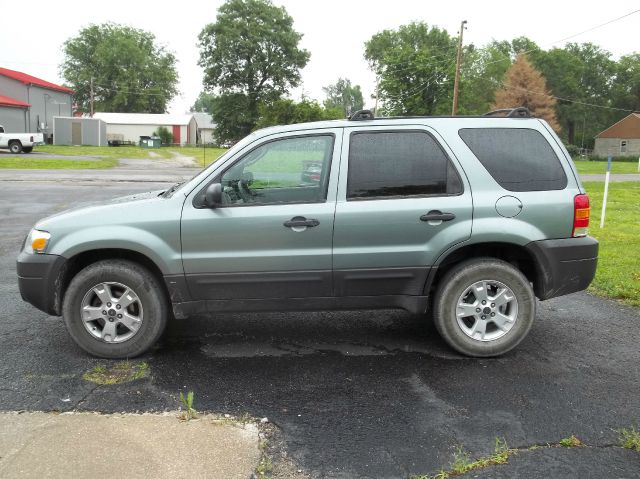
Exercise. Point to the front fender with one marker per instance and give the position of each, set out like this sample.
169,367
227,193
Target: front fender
164,253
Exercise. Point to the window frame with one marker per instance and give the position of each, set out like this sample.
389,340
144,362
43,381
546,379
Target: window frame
623,146
400,197
198,197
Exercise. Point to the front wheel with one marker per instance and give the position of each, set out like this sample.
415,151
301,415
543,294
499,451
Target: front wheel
484,307
115,309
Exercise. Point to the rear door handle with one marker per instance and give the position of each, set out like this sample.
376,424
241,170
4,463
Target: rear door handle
301,222
437,215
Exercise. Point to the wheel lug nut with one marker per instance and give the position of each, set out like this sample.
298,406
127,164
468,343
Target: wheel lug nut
119,316
118,306
493,305
109,304
104,312
477,310
483,302
111,320
483,317
493,314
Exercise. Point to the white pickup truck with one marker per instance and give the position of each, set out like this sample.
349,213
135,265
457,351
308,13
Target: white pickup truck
20,142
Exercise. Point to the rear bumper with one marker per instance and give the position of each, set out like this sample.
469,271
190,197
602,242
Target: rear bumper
564,265
39,277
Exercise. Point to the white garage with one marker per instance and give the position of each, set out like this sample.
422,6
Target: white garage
131,126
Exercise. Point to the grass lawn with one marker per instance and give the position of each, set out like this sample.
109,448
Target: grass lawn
600,167
618,274
132,151
24,162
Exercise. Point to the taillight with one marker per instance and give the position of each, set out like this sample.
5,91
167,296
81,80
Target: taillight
580,215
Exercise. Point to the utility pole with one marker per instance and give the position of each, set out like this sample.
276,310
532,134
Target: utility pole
375,108
456,84
91,98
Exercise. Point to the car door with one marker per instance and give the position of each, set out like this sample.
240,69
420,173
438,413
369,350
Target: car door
402,200
271,236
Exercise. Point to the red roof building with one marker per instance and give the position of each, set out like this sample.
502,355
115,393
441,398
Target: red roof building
31,80
28,103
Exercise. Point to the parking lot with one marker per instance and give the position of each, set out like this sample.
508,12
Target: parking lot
353,394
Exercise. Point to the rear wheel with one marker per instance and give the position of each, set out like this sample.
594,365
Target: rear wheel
484,307
15,147
115,309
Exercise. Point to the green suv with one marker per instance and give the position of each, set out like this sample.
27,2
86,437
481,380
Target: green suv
466,218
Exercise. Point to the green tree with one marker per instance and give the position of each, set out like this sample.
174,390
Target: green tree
580,75
204,102
344,96
251,51
130,72
415,66
287,112
483,70
626,85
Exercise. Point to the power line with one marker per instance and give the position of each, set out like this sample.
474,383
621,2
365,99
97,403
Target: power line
514,87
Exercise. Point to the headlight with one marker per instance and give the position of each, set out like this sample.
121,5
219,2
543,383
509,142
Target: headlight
36,242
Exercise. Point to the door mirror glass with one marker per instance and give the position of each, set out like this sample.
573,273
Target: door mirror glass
213,195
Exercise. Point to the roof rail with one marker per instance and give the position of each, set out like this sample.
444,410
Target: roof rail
361,115
518,112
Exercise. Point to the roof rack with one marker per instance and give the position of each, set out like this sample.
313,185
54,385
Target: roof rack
518,112
361,115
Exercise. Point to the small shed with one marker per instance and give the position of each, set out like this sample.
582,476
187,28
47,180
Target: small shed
620,139
68,130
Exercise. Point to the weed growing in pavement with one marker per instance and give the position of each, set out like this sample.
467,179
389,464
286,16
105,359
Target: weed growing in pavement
571,441
118,373
462,463
629,438
187,402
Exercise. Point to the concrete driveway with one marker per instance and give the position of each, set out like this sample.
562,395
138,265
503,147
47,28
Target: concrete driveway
354,394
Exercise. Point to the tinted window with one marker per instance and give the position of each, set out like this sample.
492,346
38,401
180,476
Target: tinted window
519,159
399,164
290,170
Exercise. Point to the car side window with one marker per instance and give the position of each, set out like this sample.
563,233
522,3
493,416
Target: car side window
287,170
519,159
399,164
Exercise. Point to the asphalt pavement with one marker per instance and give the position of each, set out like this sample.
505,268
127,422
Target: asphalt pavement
373,394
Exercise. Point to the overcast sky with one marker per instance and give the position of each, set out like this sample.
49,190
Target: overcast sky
334,31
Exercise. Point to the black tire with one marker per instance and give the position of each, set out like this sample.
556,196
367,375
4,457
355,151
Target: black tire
457,281
150,294
27,149
15,147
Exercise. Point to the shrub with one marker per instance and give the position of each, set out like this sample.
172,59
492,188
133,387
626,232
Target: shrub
166,137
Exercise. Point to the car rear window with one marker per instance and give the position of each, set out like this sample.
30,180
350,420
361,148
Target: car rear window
519,159
399,164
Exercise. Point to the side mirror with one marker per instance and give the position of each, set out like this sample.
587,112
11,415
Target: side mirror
213,195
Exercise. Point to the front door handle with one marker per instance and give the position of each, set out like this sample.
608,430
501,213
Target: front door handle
301,222
437,215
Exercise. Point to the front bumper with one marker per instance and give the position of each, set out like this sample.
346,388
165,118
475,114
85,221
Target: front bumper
563,266
39,280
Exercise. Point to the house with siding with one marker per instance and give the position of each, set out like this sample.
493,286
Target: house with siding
620,139
131,126
28,103
206,127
